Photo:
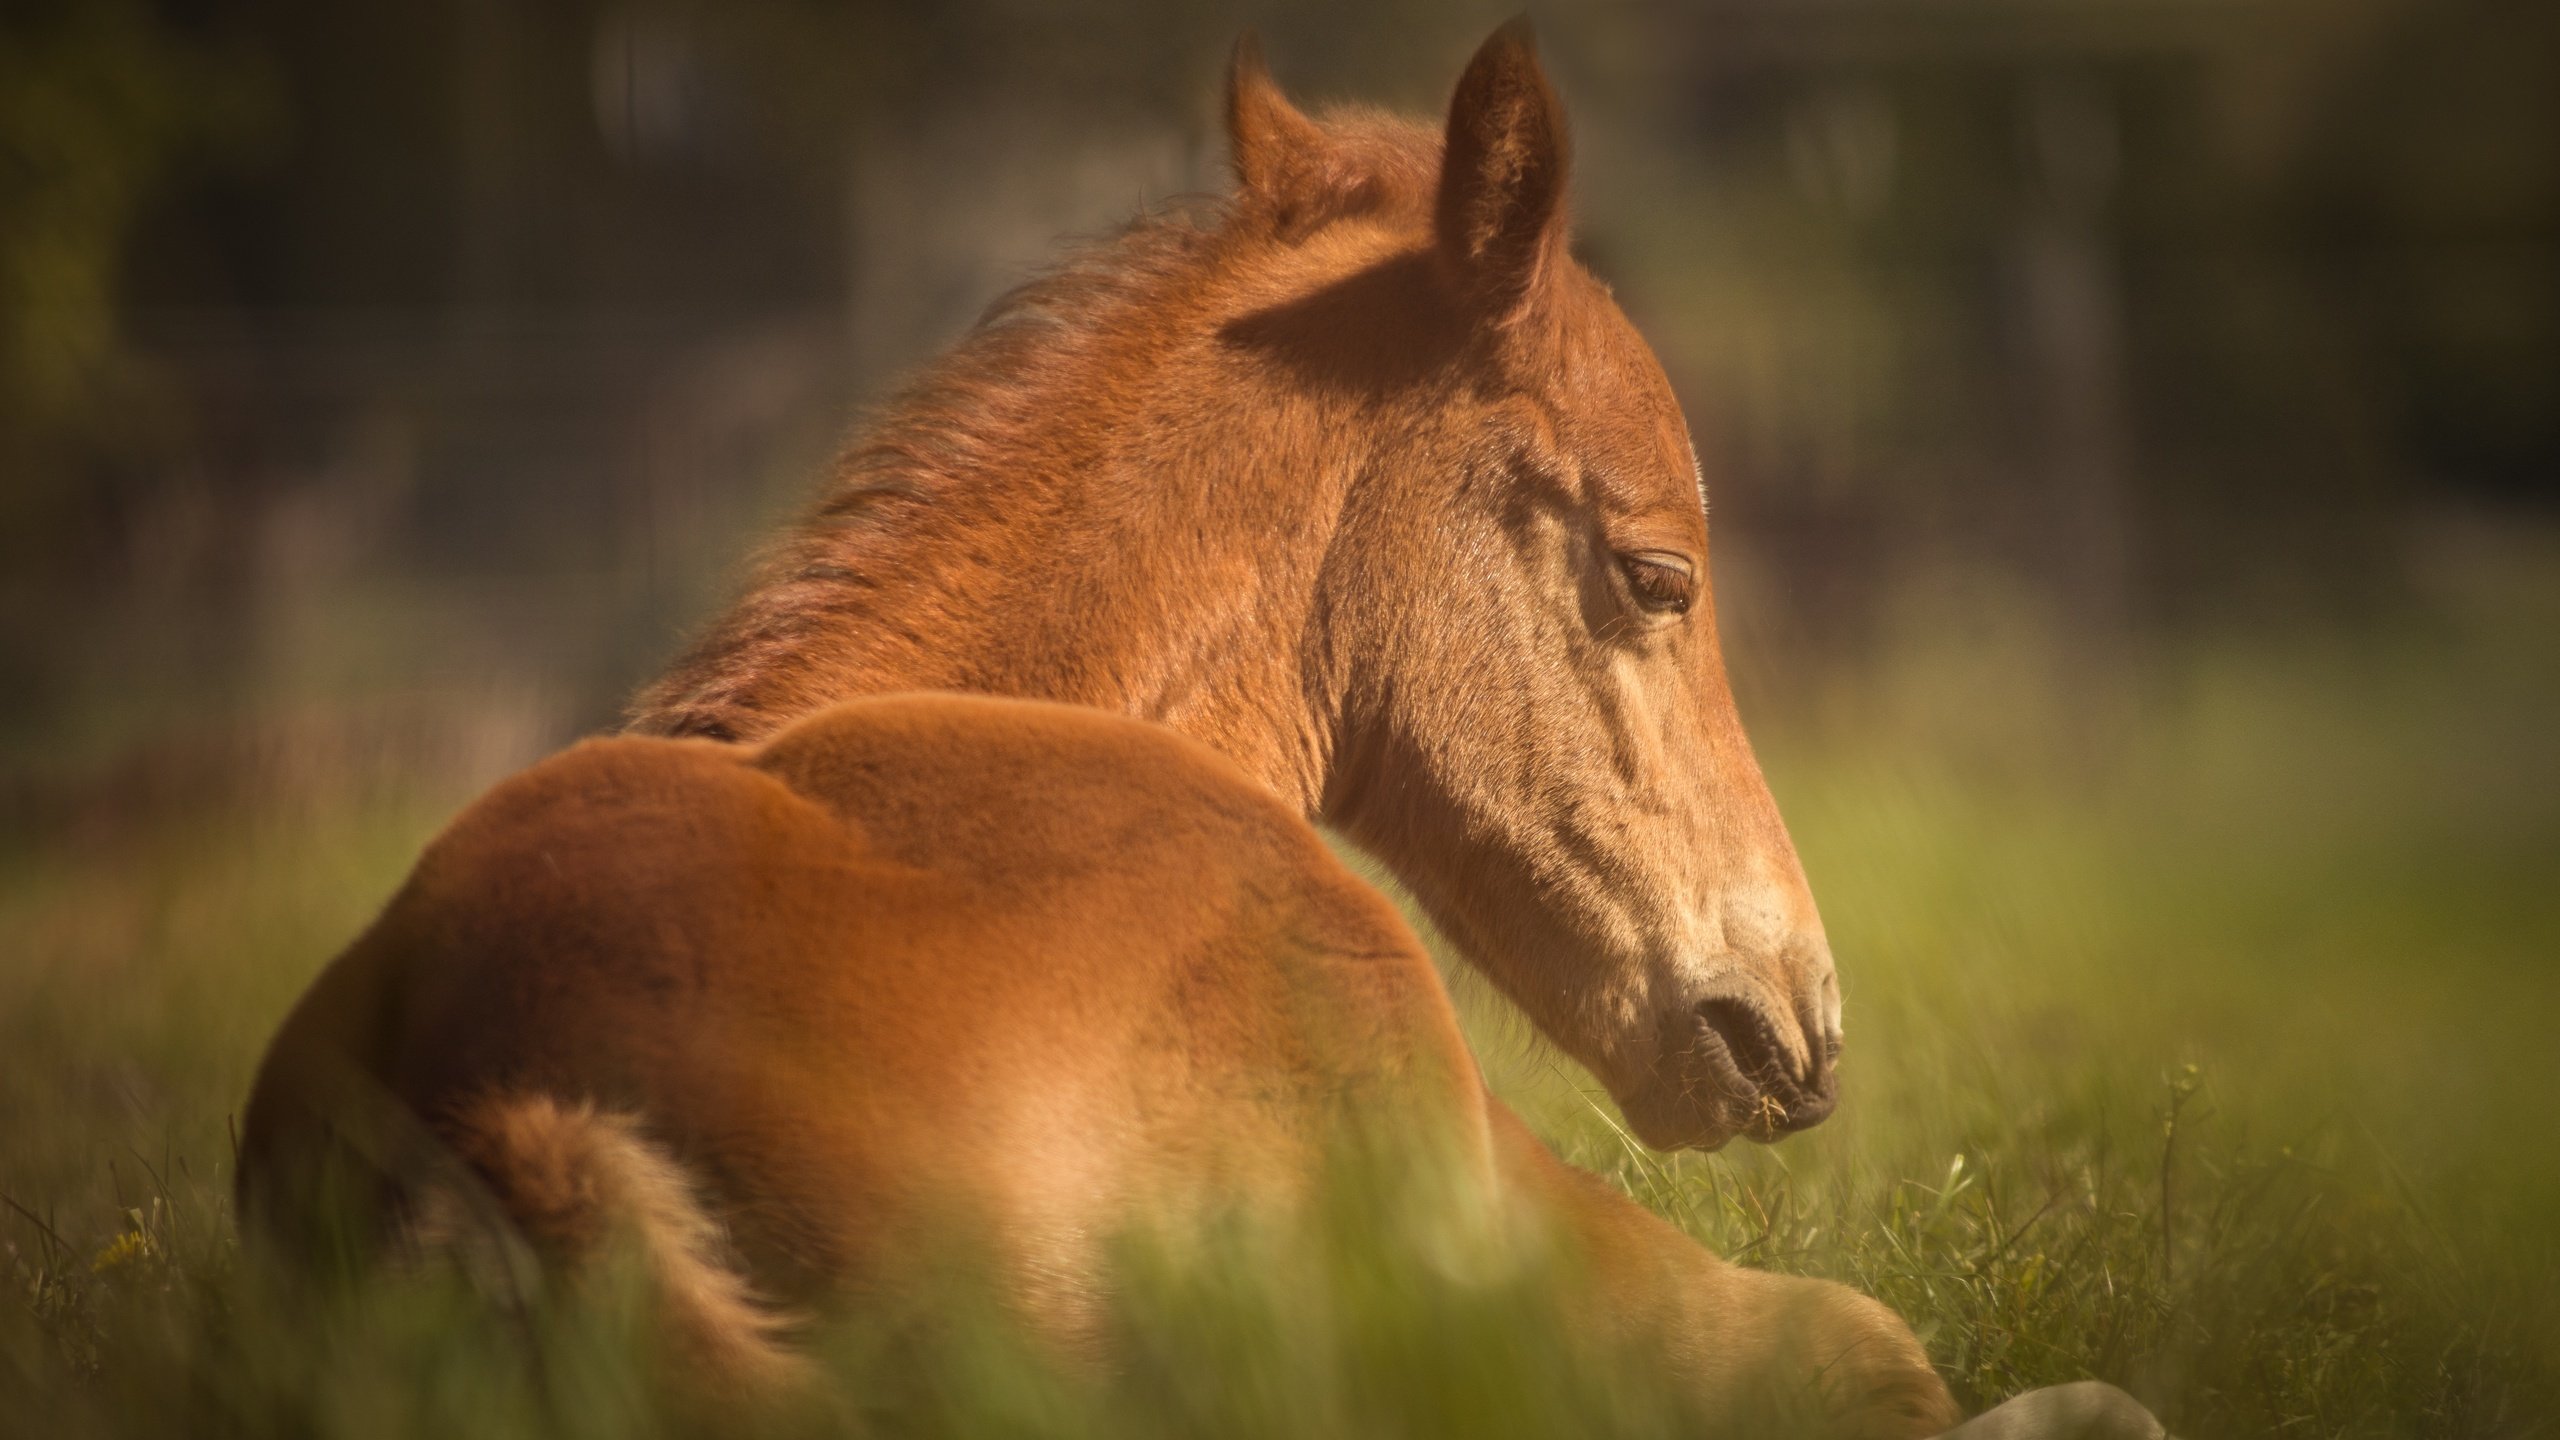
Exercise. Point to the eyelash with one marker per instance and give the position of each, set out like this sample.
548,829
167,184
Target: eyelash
1660,585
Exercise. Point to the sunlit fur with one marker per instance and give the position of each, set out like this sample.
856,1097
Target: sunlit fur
1334,477
935,974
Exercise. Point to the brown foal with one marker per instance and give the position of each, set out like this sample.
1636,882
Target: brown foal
1364,491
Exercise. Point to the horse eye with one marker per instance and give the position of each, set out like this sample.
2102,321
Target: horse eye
1661,583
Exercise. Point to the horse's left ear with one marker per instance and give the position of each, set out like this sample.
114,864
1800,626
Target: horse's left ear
1501,215
1275,149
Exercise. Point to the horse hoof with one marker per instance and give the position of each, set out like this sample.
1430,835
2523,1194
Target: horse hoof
2082,1410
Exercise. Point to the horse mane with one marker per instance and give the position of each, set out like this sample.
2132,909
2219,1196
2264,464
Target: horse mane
1004,373
918,463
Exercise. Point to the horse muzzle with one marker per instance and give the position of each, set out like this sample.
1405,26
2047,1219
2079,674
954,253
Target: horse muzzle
1728,1070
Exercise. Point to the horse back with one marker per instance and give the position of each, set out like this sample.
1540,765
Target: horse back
920,962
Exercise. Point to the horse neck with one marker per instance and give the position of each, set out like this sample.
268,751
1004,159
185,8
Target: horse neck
1089,560
1186,590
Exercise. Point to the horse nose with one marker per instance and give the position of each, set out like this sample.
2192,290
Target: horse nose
1795,1086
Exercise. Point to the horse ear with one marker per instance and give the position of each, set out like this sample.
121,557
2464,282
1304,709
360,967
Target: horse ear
1273,147
1501,215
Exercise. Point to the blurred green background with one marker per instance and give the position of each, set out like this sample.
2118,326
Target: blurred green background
2134,430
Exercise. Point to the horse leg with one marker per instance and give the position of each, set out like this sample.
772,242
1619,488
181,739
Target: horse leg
1750,1341
1747,1343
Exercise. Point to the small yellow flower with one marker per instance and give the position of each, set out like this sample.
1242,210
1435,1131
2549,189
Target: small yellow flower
129,1246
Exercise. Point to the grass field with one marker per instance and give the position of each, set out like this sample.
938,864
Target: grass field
2200,1039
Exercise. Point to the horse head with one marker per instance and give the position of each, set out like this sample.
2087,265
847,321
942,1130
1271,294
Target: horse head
1533,726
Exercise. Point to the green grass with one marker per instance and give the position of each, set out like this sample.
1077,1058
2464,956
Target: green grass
2200,1039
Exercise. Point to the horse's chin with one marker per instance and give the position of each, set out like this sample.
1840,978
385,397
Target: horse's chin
1670,1115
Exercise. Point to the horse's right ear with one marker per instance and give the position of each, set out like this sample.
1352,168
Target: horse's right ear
1276,151
1501,217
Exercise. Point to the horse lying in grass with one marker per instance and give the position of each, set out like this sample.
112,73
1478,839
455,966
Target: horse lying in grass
1360,482
939,967
774,1017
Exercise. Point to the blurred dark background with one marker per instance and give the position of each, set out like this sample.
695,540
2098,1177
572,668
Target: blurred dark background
390,386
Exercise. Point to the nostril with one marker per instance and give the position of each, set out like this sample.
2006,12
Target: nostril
1753,1043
